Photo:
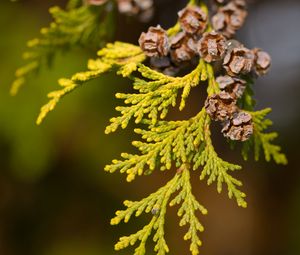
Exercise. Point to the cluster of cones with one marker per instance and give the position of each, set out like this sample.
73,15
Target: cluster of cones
212,41
208,38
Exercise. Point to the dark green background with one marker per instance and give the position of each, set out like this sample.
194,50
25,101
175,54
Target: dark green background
55,198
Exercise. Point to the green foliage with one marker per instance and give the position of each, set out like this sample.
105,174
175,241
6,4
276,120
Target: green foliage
262,141
164,143
187,211
248,103
156,92
73,4
157,203
216,169
87,26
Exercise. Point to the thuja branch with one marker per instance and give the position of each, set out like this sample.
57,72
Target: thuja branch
204,45
156,204
156,92
262,141
164,143
216,169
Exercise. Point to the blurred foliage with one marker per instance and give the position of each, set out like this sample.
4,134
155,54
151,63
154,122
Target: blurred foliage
32,147
78,26
31,155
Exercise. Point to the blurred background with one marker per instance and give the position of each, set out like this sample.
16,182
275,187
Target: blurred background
55,198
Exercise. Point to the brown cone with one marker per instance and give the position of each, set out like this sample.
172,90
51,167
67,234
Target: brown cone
230,18
212,46
193,20
154,43
262,62
142,8
220,106
232,85
238,61
239,127
183,47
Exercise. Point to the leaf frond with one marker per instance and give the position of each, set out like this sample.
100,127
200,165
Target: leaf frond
164,143
217,170
157,204
187,211
263,141
156,92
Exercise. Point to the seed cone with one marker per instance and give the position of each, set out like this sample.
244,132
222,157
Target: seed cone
262,62
193,20
132,7
212,46
154,43
232,85
183,47
230,18
220,106
239,127
239,61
